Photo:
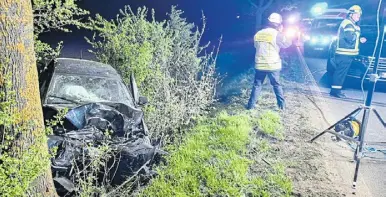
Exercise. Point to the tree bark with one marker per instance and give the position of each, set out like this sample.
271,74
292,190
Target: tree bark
17,60
260,7
259,19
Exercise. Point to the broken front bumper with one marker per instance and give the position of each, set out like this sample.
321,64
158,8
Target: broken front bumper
117,126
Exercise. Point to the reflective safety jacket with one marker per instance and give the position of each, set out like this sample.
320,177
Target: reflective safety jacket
348,38
268,43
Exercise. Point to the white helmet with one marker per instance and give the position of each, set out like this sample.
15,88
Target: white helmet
275,18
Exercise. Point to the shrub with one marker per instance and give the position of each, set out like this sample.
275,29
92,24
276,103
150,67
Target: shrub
171,68
53,15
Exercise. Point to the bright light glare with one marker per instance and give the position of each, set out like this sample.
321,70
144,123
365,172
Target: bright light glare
326,40
292,19
319,8
314,40
307,37
290,32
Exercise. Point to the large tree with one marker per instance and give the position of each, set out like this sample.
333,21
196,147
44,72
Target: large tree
24,158
261,6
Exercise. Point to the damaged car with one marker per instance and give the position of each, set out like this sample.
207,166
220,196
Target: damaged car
99,110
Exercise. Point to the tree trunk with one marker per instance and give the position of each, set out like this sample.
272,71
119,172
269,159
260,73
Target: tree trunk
259,19
18,77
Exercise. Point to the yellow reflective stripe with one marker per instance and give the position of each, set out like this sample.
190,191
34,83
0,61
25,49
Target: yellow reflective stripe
345,22
347,53
265,59
346,50
336,87
349,29
263,37
268,66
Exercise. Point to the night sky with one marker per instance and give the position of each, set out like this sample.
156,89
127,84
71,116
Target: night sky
221,17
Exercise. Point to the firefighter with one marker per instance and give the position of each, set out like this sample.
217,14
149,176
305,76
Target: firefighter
268,42
346,49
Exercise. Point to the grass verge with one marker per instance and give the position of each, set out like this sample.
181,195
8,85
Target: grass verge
214,160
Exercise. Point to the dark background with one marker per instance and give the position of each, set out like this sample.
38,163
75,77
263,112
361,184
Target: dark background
232,19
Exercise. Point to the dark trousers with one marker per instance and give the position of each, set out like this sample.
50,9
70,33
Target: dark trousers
274,78
343,63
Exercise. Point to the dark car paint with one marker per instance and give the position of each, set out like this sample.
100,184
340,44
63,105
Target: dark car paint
125,123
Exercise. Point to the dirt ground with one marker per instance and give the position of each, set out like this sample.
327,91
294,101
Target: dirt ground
315,172
308,164
322,168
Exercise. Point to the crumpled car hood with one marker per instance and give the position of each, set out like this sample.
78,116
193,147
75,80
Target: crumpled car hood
127,138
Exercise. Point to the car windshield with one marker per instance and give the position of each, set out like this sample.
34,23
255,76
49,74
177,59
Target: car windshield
74,89
327,24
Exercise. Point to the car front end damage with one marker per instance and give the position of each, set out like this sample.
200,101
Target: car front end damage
87,128
98,132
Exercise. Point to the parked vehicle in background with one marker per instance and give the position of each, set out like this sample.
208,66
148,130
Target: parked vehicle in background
323,31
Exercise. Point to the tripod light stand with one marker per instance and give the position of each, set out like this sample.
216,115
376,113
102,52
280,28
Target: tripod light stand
358,154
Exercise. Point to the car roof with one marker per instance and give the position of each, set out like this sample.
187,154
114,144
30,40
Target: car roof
84,67
333,14
329,17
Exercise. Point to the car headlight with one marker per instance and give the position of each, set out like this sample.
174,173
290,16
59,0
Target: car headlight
326,40
321,39
307,37
314,40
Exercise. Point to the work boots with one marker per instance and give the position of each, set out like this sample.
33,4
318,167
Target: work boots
281,105
337,93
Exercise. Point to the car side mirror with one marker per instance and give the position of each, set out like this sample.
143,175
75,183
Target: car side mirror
142,100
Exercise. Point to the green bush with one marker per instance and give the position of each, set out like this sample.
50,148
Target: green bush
171,68
53,15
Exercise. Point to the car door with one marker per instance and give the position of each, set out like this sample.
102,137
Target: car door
138,100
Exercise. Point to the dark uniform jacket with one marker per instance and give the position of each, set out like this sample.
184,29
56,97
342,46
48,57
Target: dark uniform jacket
348,38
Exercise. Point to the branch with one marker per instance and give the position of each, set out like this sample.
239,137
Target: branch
253,4
128,180
269,3
261,3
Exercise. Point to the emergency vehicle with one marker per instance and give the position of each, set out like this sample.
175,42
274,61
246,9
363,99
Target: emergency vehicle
323,30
